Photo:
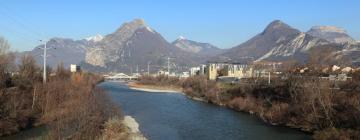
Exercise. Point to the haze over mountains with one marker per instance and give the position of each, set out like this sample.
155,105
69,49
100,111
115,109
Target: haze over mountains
135,45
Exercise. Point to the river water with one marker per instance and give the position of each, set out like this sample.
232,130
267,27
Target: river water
171,116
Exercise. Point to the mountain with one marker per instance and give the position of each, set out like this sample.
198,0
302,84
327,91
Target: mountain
95,38
330,33
109,48
132,45
190,46
277,42
135,44
61,50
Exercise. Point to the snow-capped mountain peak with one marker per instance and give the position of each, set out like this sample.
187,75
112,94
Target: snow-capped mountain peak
149,29
331,33
328,29
181,38
95,38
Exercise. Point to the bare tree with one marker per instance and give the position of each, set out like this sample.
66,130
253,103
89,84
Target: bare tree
5,62
4,46
28,68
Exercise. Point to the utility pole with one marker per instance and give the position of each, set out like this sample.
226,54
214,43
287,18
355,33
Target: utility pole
148,67
131,70
44,74
44,67
269,78
168,66
137,69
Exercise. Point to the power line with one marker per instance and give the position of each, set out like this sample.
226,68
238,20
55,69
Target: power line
5,12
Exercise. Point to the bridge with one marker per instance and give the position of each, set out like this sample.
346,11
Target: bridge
120,76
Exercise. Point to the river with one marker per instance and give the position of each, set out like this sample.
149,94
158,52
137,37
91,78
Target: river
171,116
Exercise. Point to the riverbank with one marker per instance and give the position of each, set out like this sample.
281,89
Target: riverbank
133,127
121,128
163,89
189,94
284,102
175,116
154,88
58,105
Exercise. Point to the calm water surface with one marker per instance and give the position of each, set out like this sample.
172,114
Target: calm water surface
169,116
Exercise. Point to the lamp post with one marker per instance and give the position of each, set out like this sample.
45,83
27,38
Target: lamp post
44,67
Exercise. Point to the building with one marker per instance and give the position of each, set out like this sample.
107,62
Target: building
233,70
202,70
184,75
161,72
74,68
194,71
236,70
260,73
212,73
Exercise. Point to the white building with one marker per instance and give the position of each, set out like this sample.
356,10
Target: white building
184,75
74,68
194,71
202,70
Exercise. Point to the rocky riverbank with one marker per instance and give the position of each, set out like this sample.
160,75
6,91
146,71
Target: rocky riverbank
122,129
133,126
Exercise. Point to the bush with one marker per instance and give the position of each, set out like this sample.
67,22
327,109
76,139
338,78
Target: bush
336,134
199,86
161,80
115,130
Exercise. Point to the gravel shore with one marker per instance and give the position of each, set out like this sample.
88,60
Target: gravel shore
135,133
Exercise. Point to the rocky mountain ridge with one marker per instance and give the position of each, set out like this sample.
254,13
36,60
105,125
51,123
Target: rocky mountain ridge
279,42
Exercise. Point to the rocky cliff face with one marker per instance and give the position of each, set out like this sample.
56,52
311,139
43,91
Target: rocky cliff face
109,49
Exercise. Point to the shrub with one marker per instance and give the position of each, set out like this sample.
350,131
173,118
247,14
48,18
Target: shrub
336,134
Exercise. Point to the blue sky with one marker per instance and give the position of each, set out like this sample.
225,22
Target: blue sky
224,23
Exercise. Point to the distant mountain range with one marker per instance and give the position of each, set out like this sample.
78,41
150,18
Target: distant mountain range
204,49
135,45
130,47
61,50
279,42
